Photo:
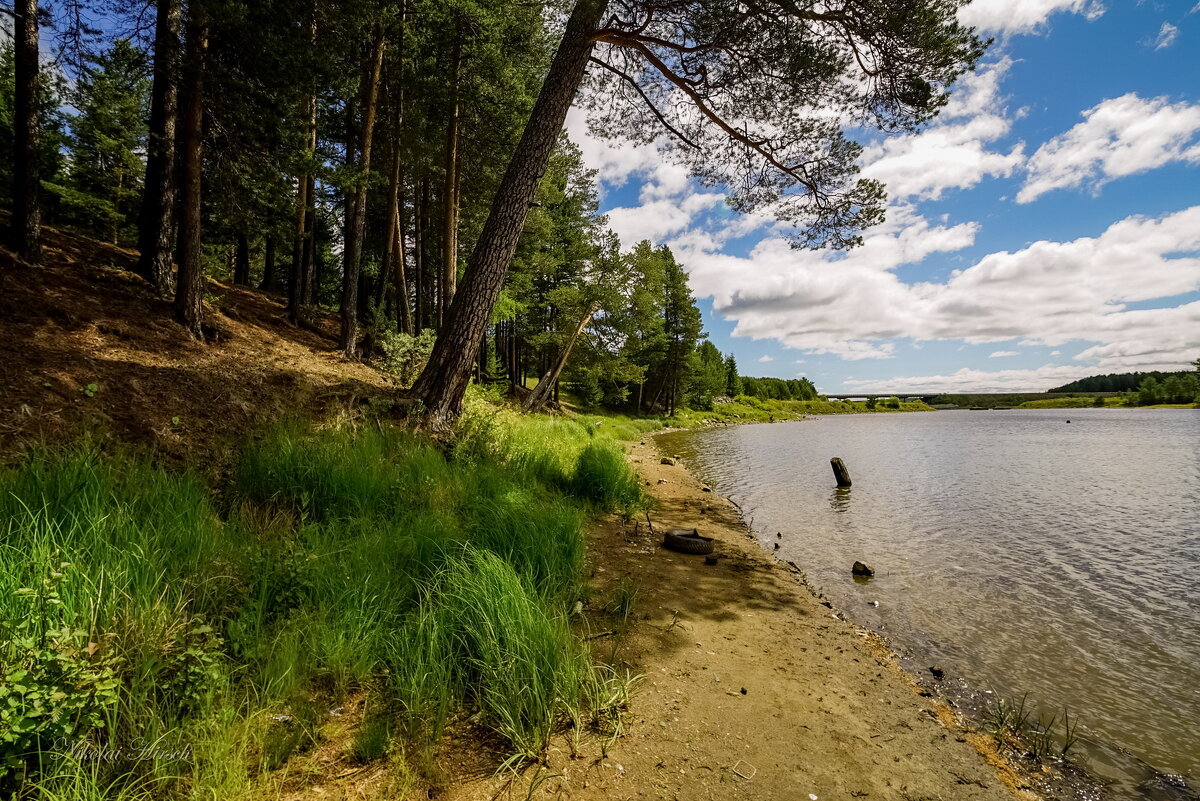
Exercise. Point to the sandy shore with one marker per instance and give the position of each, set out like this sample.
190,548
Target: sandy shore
752,688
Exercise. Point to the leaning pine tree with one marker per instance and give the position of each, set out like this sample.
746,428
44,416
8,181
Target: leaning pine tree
755,97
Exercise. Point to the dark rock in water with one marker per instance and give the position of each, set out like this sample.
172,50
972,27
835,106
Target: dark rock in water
706,489
777,546
862,569
937,672
779,534
710,560
667,460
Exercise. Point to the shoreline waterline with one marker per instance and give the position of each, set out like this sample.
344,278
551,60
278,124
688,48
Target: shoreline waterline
744,473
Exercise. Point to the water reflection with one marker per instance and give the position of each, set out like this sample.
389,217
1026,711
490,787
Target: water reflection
839,499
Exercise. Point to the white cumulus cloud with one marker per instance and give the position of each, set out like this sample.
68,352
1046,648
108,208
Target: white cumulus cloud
1121,136
1048,293
1022,16
1000,354
954,152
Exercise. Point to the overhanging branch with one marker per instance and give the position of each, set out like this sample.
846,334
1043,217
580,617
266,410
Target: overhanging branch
649,103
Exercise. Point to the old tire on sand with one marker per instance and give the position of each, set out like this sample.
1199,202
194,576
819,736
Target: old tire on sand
687,540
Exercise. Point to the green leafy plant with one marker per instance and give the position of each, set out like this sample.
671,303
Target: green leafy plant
91,389
55,680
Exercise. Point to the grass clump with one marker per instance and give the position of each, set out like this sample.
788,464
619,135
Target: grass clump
224,627
1038,737
603,477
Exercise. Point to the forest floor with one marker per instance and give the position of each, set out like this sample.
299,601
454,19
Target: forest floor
87,346
752,686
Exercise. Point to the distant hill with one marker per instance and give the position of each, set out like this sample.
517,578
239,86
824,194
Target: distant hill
1115,382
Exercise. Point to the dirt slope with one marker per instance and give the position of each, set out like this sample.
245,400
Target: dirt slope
83,340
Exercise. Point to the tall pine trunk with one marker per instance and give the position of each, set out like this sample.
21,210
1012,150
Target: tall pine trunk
298,275
27,180
387,272
450,189
357,207
156,224
443,382
241,260
189,290
269,279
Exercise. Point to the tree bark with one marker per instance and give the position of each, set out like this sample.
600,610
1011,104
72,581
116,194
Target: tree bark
357,208
298,278
241,260
268,282
189,291
548,383
27,180
426,299
418,265
450,190
388,269
403,310
156,224
310,265
443,382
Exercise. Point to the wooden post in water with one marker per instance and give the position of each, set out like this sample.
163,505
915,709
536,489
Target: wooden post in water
840,472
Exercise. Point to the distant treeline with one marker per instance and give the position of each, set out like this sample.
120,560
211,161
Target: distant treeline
1115,382
778,388
1144,389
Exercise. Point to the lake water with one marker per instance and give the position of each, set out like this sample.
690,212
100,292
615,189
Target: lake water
1020,552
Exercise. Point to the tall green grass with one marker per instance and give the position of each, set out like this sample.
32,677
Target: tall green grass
434,578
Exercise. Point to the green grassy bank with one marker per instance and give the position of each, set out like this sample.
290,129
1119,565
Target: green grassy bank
166,639
745,409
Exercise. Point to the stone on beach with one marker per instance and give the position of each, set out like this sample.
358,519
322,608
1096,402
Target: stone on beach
862,569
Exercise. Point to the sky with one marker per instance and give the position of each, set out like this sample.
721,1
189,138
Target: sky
1045,227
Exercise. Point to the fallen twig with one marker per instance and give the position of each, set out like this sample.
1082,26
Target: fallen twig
598,636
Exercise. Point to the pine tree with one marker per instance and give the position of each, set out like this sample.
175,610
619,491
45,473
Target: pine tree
26,232
733,381
107,135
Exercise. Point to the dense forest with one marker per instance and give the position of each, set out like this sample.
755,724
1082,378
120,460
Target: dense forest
403,162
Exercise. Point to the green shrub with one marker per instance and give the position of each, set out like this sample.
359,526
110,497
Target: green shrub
405,355
56,683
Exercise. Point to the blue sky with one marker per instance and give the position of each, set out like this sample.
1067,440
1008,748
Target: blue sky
1045,227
